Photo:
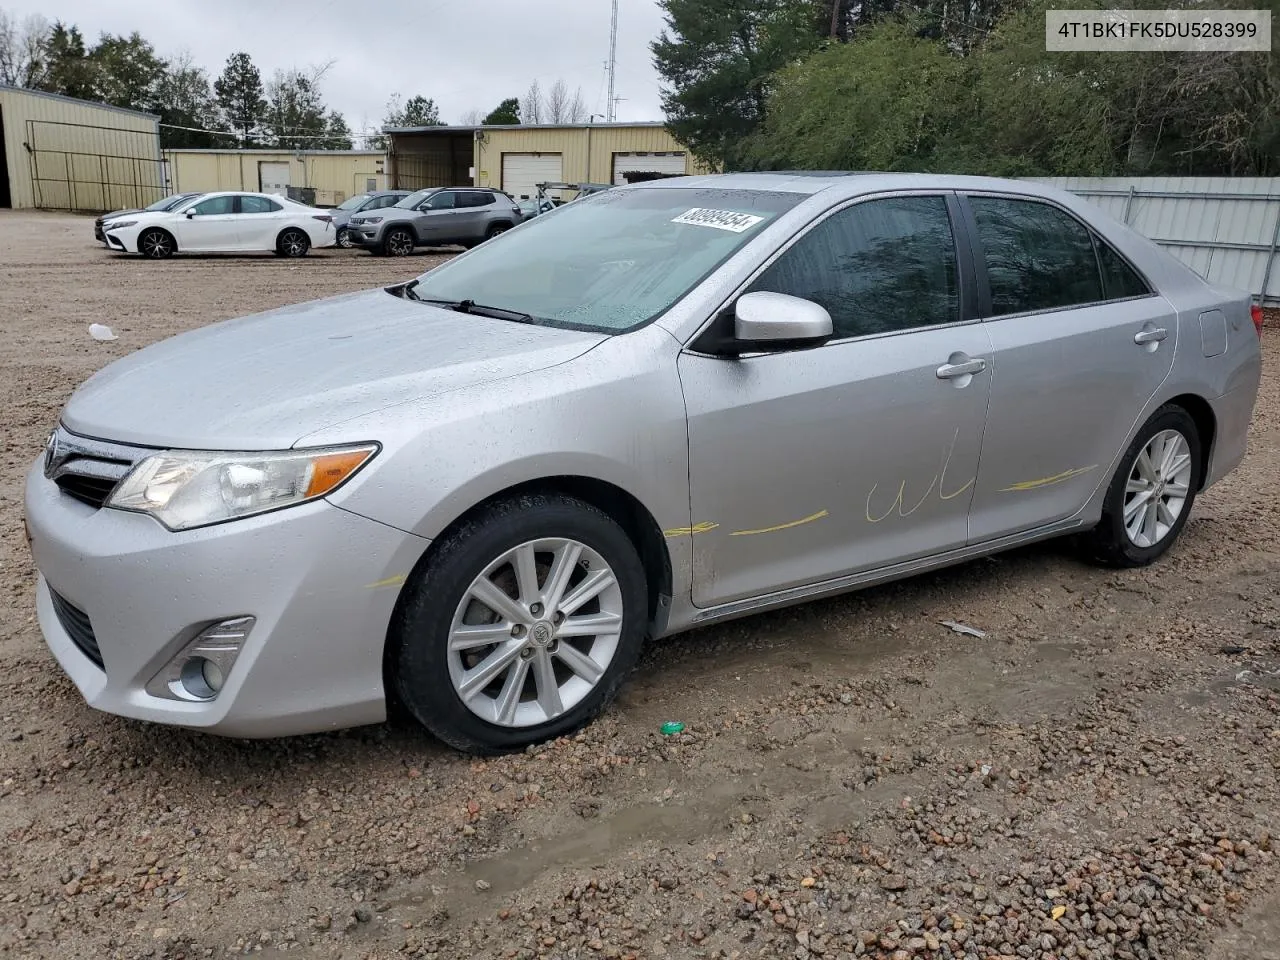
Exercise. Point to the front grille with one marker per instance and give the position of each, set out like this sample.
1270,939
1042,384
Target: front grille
76,623
88,469
91,490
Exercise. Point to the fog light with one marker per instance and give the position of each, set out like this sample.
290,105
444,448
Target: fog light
200,670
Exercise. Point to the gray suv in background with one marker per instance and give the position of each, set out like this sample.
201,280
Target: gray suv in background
362,203
435,217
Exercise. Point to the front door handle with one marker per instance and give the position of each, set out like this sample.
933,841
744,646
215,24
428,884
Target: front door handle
964,368
1150,336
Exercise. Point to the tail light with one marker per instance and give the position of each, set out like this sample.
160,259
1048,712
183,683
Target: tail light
1255,311
322,217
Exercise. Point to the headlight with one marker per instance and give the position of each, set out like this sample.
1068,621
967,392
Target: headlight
194,488
371,220
117,224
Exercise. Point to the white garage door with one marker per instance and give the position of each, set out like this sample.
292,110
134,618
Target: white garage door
522,172
273,178
646,162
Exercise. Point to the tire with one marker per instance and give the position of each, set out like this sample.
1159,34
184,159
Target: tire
343,239
1112,543
156,244
398,242
293,243
510,711
495,229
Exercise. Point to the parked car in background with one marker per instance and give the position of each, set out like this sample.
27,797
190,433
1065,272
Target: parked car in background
361,203
531,208
435,217
478,493
223,223
165,203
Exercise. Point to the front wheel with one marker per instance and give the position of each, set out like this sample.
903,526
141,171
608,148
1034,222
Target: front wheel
156,244
343,239
522,625
1151,493
398,243
293,243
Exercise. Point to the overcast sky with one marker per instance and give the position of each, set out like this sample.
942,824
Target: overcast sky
464,55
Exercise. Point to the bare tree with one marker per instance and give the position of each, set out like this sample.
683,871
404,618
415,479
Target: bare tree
472,118
561,106
532,107
22,62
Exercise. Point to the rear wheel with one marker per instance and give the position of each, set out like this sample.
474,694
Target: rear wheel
1151,493
496,229
156,244
398,243
522,626
293,243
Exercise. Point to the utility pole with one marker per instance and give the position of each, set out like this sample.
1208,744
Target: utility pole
613,62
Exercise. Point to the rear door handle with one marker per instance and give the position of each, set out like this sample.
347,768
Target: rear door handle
1151,336
949,371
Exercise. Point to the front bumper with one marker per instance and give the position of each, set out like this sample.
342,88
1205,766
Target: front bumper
364,236
115,242
322,583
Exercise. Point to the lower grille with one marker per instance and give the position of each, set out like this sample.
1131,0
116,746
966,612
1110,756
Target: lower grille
76,622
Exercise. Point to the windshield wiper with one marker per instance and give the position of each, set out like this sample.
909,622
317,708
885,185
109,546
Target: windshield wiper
469,306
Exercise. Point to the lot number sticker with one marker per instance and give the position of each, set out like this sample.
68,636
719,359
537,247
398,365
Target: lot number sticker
719,219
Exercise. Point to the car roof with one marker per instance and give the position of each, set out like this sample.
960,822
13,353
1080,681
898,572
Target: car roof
847,183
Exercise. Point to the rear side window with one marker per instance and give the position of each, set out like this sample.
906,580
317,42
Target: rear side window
1037,257
877,266
258,205
475,198
1119,280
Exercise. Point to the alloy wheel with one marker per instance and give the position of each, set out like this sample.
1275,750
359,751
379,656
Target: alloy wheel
344,239
1157,489
156,244
535,632
294,244
399,244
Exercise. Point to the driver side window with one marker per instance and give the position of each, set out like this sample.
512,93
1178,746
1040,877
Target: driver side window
214,205
877,266
439,201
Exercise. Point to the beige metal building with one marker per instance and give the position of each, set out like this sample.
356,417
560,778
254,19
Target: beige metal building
57,153
325,177
516,158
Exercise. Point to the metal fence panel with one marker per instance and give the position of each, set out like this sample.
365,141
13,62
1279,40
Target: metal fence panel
1227,229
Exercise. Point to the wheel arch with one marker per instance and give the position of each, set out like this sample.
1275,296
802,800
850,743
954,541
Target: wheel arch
292,226
1201,412
623,507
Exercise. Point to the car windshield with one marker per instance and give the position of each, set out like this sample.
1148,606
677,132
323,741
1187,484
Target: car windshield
169,202
352,202
413,199
609,263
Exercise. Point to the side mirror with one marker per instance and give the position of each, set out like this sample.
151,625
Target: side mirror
763,322
190,214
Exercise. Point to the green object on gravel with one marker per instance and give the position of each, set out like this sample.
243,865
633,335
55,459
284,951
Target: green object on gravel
672,727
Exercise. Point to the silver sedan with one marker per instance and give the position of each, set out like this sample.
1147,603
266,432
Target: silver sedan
479,493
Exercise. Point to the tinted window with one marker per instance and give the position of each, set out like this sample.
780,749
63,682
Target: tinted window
387,201
258,205
475,198
877,266
1119,280
441,201
1038,257
215,205
354,203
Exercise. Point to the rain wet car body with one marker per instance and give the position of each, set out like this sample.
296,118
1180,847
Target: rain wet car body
664,406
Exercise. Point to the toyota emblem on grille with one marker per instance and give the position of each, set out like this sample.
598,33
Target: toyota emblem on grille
50,453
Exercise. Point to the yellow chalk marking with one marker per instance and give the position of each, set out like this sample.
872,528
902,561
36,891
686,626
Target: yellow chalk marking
782,526
702,527
1048,481
395,581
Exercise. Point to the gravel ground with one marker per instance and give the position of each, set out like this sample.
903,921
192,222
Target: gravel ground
1095,778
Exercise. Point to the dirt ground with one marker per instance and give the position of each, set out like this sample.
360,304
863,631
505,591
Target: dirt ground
1097,777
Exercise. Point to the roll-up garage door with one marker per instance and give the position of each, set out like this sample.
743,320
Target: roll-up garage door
522,172
646,163
273,177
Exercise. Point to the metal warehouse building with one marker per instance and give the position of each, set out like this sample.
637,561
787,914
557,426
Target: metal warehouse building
57,153
516,158
321,177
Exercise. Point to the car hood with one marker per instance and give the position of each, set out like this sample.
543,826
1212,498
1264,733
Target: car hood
117,213
264,381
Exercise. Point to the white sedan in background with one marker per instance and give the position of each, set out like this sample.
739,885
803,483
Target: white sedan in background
223,223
